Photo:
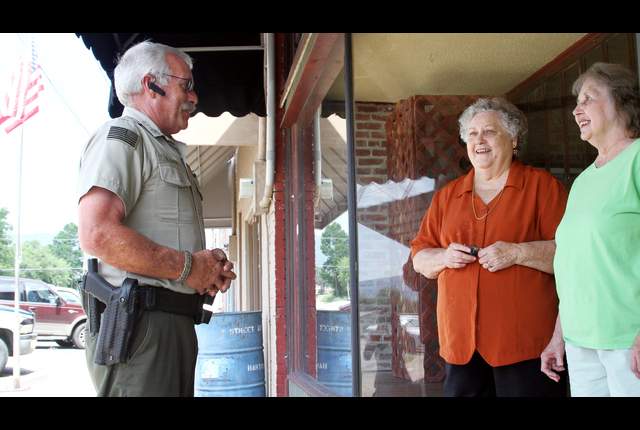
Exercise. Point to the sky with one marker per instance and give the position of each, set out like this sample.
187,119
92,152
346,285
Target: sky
73,105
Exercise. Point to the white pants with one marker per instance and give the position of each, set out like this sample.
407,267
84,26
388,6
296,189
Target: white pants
601,372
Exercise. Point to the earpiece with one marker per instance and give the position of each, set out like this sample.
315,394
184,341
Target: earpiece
156,89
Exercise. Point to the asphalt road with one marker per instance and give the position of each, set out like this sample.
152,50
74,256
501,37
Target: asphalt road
49,371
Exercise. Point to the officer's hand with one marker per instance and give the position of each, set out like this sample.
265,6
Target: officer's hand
223,282
206,267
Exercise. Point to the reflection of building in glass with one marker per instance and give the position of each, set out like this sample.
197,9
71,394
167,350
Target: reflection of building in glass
383,296
423,154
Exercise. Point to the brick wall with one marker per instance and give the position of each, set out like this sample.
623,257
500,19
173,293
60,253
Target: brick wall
278,203
371,141
371,158
281,292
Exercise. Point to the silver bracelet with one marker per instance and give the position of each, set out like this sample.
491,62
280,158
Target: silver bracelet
187,267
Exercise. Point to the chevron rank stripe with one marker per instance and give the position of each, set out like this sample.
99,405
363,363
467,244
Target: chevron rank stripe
122,134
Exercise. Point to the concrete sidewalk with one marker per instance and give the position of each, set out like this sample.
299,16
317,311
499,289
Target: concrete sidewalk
49,371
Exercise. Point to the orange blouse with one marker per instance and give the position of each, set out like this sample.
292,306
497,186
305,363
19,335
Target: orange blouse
509,315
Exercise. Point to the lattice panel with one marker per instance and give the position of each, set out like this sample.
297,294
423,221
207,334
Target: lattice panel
400,137
422,137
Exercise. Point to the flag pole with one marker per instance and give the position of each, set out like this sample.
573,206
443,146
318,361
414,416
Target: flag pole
17,259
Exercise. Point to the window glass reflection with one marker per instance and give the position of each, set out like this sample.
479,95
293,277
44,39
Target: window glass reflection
333,309
396,180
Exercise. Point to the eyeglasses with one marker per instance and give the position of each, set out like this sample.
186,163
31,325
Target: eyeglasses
188,87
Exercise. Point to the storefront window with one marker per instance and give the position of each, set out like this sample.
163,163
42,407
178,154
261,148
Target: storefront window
409,91
319,314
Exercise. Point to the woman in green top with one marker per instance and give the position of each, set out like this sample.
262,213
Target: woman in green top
597,260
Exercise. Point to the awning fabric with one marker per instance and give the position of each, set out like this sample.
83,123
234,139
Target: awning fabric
226,81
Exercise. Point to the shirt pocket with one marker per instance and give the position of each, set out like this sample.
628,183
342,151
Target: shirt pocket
196,186
175,201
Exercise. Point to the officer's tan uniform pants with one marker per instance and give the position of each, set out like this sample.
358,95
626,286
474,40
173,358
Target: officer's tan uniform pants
163,355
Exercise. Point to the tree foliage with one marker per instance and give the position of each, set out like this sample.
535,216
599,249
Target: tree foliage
59,263
6,244
43,264
334,273
67,246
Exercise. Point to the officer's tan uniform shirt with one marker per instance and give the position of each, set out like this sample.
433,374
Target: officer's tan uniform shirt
132,158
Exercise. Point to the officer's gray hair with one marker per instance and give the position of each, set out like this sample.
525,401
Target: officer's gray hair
513,120
145,58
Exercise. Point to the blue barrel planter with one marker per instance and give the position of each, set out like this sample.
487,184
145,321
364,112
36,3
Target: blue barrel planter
230,356
334,351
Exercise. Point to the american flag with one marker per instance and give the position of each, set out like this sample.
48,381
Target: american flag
20,100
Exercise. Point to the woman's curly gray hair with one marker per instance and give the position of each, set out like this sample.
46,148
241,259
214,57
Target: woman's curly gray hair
145,58
623,86
512,118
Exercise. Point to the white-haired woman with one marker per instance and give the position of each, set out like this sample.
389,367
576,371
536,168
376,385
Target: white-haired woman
597,263
488,237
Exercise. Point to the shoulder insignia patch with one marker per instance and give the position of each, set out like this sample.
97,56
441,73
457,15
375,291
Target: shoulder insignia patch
124,135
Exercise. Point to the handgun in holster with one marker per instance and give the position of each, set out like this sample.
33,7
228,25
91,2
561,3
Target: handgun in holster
112,314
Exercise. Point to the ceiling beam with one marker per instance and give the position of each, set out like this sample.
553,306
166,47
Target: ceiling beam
318,61
557,64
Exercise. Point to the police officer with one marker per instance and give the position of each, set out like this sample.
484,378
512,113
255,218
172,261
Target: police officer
140,214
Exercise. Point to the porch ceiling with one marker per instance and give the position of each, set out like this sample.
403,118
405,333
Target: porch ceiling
206,161
389,67
212,141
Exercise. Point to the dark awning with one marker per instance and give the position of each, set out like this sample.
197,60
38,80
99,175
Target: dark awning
226,80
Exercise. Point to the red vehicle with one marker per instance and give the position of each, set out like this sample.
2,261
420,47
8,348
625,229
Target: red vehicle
57,318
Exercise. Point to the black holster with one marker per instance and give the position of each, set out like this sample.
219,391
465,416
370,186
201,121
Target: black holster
112,314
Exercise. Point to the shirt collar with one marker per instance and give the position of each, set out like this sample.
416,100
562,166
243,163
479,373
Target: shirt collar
515,179
144,120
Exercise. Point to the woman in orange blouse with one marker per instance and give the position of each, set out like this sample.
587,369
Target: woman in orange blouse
488,237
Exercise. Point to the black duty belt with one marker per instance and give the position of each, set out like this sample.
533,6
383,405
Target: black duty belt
162,299
113,312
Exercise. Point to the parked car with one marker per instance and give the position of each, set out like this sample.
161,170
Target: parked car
69,294
7,327
57,318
